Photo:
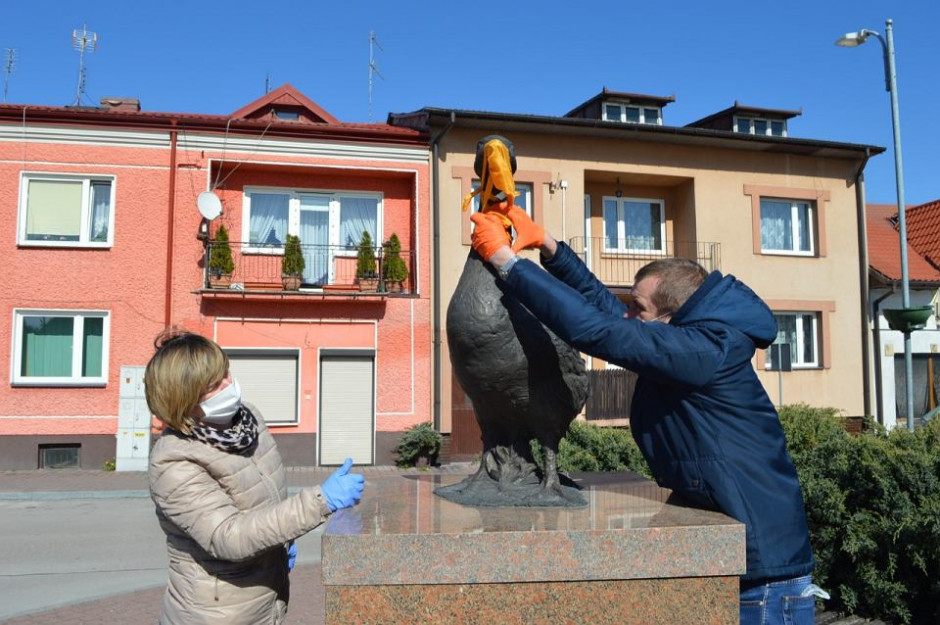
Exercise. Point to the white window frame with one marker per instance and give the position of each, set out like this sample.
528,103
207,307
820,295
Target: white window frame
622,237
526,205
794,227
800,361
641,108
78,327
751,119
293,217
84,233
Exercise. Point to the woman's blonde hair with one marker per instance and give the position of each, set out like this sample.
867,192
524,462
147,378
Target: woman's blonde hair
178,374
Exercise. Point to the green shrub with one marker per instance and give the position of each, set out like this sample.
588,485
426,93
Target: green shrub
109,465
292,263
394,267
220,257
873,507
587,447
365,260
419,441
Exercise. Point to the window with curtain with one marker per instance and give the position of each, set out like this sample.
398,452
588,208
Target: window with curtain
60,347
66,210
329,224
799,330
786,227
634,225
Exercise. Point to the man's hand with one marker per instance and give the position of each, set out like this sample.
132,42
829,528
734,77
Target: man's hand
529,235
489,235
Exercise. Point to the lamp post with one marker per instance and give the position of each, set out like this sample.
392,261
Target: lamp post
851,40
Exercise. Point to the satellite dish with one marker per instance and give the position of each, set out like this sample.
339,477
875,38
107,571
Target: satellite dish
209,205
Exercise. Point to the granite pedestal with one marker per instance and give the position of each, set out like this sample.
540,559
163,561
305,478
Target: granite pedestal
631,556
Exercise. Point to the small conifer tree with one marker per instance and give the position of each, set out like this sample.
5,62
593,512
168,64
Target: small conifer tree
220,257
365,262
292,263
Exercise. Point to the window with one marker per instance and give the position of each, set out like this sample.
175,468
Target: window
271,215
523,201
63,210
287,114
58,347
759,126
799,330
328,224
625,113
634,225
59,456
786,227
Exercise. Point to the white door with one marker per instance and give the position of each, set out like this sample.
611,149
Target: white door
347,408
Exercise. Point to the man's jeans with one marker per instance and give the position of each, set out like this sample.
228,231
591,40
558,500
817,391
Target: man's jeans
784,602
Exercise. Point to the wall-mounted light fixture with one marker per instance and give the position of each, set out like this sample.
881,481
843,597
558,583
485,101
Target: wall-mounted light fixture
619,191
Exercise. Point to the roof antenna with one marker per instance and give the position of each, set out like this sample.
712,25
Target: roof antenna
82,41
9,64
373,69
267,83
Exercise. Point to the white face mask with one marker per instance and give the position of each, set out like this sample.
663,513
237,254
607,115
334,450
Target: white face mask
221,407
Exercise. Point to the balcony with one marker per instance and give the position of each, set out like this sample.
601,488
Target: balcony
329,270
615,262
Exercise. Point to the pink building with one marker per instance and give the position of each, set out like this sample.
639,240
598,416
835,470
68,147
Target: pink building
107,247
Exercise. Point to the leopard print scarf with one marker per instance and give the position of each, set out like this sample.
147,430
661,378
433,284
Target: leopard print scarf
238,438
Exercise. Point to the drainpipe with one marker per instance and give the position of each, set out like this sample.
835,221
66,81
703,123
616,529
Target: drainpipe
863,283
436,269
171,205
879,392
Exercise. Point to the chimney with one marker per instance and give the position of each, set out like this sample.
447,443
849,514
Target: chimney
120,104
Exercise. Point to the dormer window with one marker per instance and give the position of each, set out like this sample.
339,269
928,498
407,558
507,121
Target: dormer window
286,114
630,114
760,126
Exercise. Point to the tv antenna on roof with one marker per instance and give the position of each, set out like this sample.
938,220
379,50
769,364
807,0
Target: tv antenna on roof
373,69
9,65
83,40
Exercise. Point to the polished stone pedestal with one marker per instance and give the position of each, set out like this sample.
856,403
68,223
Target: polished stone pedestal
630,556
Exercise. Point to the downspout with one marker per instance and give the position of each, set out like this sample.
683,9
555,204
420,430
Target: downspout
879,392
171,206
436,268
863,281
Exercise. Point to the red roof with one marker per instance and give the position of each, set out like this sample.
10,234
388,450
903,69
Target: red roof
923,230
884,255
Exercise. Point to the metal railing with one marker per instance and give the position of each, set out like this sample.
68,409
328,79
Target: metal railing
615,262
327,267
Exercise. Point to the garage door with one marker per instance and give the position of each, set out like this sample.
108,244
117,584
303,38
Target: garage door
269,381
347,408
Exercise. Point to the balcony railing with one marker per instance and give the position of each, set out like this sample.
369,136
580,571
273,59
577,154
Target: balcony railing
329,268
616,261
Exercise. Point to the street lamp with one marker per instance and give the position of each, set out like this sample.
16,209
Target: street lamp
851,40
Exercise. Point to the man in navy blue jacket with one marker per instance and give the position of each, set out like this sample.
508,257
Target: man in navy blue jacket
700,415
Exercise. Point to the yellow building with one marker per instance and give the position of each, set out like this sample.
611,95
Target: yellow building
733,191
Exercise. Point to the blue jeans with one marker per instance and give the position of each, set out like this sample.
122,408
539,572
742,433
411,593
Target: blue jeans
784,602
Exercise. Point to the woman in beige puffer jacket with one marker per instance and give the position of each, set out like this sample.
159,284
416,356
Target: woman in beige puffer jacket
225,511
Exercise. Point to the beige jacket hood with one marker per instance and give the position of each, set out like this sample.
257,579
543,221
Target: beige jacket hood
227,518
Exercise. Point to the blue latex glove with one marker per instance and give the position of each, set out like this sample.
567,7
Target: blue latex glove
343,489
291,556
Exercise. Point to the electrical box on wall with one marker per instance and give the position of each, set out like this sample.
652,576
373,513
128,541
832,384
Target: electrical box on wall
133,435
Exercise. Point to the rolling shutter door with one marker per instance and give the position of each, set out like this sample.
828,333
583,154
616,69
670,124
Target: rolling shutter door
347,419
269,381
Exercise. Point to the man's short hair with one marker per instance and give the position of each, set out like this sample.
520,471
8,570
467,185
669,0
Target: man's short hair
679,278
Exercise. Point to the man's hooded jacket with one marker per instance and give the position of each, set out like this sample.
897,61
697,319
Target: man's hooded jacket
700,415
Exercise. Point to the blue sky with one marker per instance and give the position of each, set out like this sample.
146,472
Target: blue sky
539,57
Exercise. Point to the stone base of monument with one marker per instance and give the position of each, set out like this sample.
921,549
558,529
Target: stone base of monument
631,556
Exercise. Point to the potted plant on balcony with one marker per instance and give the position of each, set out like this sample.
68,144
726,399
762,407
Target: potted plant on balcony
365,264
220,266
292,264
394,270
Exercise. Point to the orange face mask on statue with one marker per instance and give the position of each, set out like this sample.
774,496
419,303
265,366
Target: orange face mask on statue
495,165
